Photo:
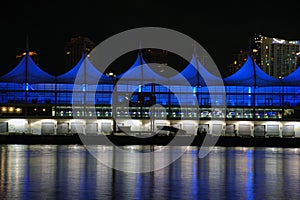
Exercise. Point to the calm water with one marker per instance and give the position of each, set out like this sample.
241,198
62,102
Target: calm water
70,172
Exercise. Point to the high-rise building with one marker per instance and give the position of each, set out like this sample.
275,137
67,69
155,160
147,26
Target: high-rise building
75,48
238,61
277,57
156,56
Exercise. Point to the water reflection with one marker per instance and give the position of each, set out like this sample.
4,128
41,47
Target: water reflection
65,172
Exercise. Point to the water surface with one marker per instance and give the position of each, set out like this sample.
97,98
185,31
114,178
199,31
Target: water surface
70,172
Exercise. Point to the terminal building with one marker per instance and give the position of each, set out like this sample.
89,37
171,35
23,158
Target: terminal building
84,100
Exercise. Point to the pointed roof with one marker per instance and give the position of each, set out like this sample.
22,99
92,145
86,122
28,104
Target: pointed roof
293,79
93,75
209,78
140,71
196,74
34,73
251,74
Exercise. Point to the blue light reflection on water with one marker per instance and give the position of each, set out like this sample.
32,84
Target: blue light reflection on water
250,175
70,172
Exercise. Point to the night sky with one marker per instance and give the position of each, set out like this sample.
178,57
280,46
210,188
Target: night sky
221,28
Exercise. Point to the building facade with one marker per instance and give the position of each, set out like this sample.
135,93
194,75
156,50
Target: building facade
75,48
249,103
238,60
277,57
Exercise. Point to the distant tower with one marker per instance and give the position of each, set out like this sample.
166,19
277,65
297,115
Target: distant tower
238,60
157,56
75,48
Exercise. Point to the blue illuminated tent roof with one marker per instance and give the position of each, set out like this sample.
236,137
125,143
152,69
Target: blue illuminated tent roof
140,71
190,75
91,75
251,75
293,79
34,73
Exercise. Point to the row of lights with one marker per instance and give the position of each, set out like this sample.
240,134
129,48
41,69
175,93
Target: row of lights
11,110
16,110
44,109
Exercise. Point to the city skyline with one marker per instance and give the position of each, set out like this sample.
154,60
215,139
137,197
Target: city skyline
72,57
145,132
222,29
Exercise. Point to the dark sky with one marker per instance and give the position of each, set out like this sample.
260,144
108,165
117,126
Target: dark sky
221,28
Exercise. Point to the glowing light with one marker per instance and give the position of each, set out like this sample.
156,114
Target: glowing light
194,90
31,53
278,41
249,91
11,109
18,110
111,74
17,122
3,109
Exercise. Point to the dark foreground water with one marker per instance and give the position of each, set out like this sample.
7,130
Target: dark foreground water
70,172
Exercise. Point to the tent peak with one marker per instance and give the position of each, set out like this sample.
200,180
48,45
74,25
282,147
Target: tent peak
250,74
